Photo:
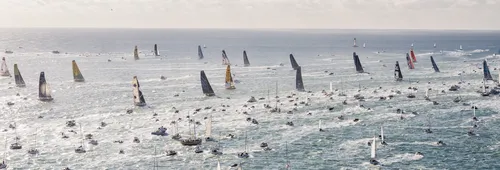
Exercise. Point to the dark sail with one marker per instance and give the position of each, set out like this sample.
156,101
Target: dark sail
397,72
294,63
43,89
138,97
299,85
434,65
357,63
18,77
156,50
225,60
205,85
200,53
245,59
409,62
486,71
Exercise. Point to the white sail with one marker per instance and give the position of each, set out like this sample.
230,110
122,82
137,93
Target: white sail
374,148
47,90
435,45
460,47
208,128
4,71
354,43
474,110
319,126
364,45
218,165
427,93
331,86
411,44
382,133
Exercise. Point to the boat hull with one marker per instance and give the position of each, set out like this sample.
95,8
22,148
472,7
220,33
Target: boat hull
45,99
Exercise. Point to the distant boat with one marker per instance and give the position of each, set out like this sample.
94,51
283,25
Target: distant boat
33,150
156,51
138,97
434,65
354,43
484,93
413,57
55,52
293,62
299,85
229,83
225,60
192,140
373,156
17,76
411,45
397,72
287,166
245,153
208,129
245,59
364,45
435,45
8,52
200,53
460,47
409,62
43,89
4,71
205,85
77,75
331,86
3,165
357,63
136,53
81,148
486,71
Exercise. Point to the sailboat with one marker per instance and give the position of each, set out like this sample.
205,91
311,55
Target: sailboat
208,130
486,71
225,60
460,48
3,165
382,137
357,63
4,71
218,165
342,93
276,109
484,93
299,85
319,126
156,51
138,97
474,113
409,62
43,89
229,83
136,53
200,53
413,57
354,43
33,150
293,62
397,72
192,140
287,166
364,45
17,76
77,75
331,86
81,148
435,45
245,59
434,65
245,153
427,95
16,145
205,85
411,45
373,160
411,95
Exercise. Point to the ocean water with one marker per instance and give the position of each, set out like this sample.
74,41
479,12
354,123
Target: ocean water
107,94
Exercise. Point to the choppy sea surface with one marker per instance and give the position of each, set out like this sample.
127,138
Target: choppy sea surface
107,94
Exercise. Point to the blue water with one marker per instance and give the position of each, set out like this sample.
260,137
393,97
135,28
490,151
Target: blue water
107,93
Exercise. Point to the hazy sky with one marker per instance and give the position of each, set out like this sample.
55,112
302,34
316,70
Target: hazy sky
358,14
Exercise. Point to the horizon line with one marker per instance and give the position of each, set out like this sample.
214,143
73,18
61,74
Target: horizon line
263,28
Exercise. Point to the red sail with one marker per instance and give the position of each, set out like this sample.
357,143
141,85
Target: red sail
413,56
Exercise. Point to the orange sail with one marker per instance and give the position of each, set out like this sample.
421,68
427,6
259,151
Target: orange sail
229,83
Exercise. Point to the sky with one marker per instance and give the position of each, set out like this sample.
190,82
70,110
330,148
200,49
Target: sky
254,14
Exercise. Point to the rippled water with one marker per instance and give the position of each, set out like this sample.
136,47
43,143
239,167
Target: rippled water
107,93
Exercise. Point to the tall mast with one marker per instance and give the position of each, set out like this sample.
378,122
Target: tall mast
245,141
276,95
81,134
